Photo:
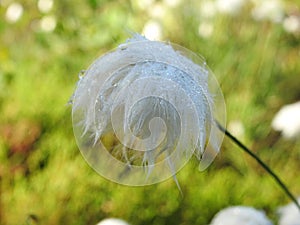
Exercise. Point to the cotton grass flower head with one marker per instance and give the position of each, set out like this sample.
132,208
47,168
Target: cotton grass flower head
287,121
153,30
48,23
208,9
45,6
291,24
112,221
237,128
230,7
271,10
289,214
205,29
14,12
240,215
157,101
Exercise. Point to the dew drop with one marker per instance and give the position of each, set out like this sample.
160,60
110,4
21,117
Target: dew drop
70,102
81,74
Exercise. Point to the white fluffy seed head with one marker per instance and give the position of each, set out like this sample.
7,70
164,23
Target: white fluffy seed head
112,221
289,214
240,215
287,121
156,102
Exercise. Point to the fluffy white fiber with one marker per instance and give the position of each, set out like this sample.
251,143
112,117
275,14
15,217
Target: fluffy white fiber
240,215
112,221
287,121
289,214
159,105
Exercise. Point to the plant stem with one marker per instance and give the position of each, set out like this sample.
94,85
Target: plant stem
259,161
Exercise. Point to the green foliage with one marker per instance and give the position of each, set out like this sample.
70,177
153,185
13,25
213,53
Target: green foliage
43,177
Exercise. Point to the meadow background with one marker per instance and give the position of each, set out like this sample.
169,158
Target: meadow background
253,47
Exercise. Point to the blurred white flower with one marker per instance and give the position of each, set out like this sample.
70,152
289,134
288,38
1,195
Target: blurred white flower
172,3
14,12
48,23
240,215
112,221
291,24
289,214
144,4
157,11
45,5
287,120
236,127
231,7
205,29
208,9
268,10
153,30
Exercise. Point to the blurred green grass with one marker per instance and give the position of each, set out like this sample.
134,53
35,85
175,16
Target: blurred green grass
42,173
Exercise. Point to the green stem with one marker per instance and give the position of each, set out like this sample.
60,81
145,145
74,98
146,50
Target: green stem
264,165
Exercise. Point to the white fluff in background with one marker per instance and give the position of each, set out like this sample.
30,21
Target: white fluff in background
112,221
272,10
289,214
287,121
240,215
231,7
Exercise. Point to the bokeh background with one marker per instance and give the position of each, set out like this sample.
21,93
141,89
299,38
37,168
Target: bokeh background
253,47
